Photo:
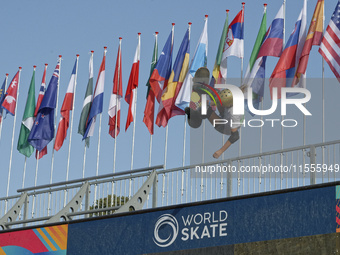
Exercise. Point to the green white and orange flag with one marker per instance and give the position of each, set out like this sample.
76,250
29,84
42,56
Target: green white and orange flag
314,37
27,121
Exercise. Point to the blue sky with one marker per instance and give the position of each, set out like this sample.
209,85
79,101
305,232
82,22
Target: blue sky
36,32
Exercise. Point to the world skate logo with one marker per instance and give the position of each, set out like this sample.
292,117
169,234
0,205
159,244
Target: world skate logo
168,225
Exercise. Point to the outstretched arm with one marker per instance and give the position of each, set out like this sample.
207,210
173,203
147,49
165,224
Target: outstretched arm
232,138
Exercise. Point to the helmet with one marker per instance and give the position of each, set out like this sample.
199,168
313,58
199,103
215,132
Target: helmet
226,98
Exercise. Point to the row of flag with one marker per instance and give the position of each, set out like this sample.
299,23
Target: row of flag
170,84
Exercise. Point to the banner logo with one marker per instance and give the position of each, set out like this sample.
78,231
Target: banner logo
166,219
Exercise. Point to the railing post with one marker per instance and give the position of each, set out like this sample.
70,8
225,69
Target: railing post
87,200
229,179
25,210
154,192
312,156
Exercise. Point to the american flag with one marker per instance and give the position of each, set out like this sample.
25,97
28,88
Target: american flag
329,48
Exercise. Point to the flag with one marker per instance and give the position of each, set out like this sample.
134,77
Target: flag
329,48
2,96
150,96
65,109
97,103
258,42
116,96
43,152
271,46
199,60
160,75
27,121
219,74
314,37
131,90
87,103
42,131
167,107
10,99
234,43
284,71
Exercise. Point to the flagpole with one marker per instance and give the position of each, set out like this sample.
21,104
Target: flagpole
2,120
240,140
282,117
84,158
55,126
117,102
167,128
55,122
71,126
99,131
98,148
223,136
184,137
25,163
11,155
323,94
135,108
154,60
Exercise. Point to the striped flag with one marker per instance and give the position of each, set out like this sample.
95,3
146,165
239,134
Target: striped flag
314,37
150,97
161,73
284,71
271,46
97,103
116,96
234,43
219,74
167,107
66,107
329,48
10,99
27,121
87,103
199,60
43,152
2,96
257,46
131,90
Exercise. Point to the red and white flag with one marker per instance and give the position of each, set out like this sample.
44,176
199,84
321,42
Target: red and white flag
10,100
329,48
42,90
116,96
65,109
131,90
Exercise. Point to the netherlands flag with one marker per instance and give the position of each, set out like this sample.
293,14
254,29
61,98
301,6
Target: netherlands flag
97,103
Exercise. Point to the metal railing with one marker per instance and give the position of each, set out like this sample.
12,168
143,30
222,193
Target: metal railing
293,167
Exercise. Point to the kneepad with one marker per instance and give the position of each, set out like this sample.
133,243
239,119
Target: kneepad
234,137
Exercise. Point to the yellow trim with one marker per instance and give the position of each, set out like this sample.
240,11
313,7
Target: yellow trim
55,238
2,251
46,239
62,236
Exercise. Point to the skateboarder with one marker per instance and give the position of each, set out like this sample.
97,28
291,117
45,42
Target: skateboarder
225,111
